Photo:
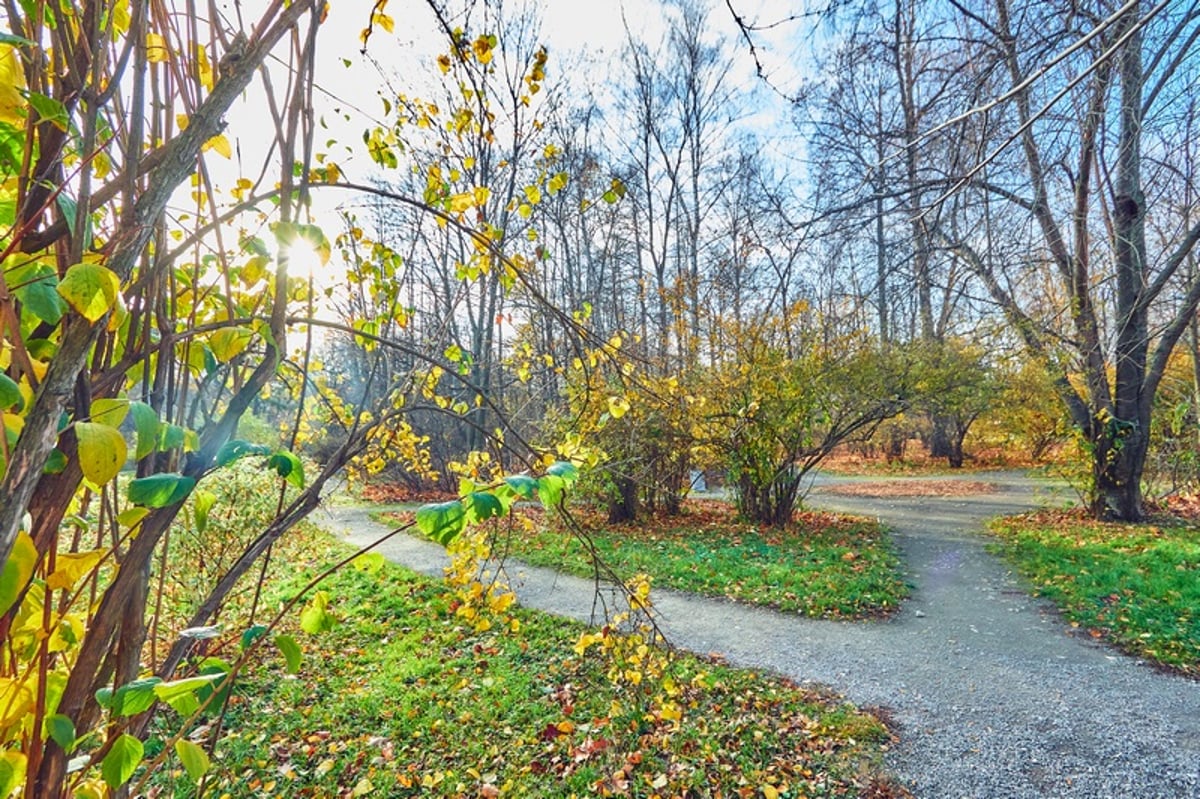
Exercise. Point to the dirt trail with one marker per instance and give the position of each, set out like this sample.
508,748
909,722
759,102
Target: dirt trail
994,695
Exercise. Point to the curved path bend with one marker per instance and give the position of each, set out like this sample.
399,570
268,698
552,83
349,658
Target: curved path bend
994,696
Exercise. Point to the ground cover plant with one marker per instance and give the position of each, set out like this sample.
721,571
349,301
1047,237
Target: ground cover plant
822,564
408,695
1135,586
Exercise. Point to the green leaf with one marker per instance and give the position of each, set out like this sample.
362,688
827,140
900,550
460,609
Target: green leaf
145,422
91,289
43,349
55,463
292,655
221,684
70,210
181,695
160,490
36,286
441,521
102,451
18,569
569,472
12,145
62,731
15,41
315,618
135,697
482,505
121,761
230,451
194,758
524,485
50,110
550,490
252,634
170,436
10,394
288,466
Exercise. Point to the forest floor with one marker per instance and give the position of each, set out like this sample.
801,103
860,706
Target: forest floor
993,693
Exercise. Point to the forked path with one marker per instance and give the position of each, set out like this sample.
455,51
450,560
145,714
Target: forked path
995,697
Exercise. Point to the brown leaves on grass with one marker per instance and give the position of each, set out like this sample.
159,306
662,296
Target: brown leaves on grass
396,493
911,488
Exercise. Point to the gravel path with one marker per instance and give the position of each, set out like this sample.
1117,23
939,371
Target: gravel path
994,695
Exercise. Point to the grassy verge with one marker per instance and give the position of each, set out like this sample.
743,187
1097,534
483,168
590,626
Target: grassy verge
822,565
1136,586
405,698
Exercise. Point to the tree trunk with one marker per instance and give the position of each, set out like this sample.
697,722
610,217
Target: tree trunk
941,442
1119,473
623,506
770,505
1117,465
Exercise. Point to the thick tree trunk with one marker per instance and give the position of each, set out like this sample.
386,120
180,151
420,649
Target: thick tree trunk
941,444
1119,473
1117,467
623,506
955,456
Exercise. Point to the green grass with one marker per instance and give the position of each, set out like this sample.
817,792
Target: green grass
1136,586
823,565
403,699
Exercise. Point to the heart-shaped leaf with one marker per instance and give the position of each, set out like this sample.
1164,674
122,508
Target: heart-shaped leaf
441,521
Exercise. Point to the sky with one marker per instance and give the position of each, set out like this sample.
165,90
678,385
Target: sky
350,84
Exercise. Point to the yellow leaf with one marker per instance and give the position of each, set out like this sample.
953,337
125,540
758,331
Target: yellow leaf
91,289
204,68
67,633
460,202
12,81
770,792
220,144
109,412
15,764
156,48
229,342
70,567
483,49
131,516
533,194
617,407
16,701
255,270
242,186
102,451
384,21
22,560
